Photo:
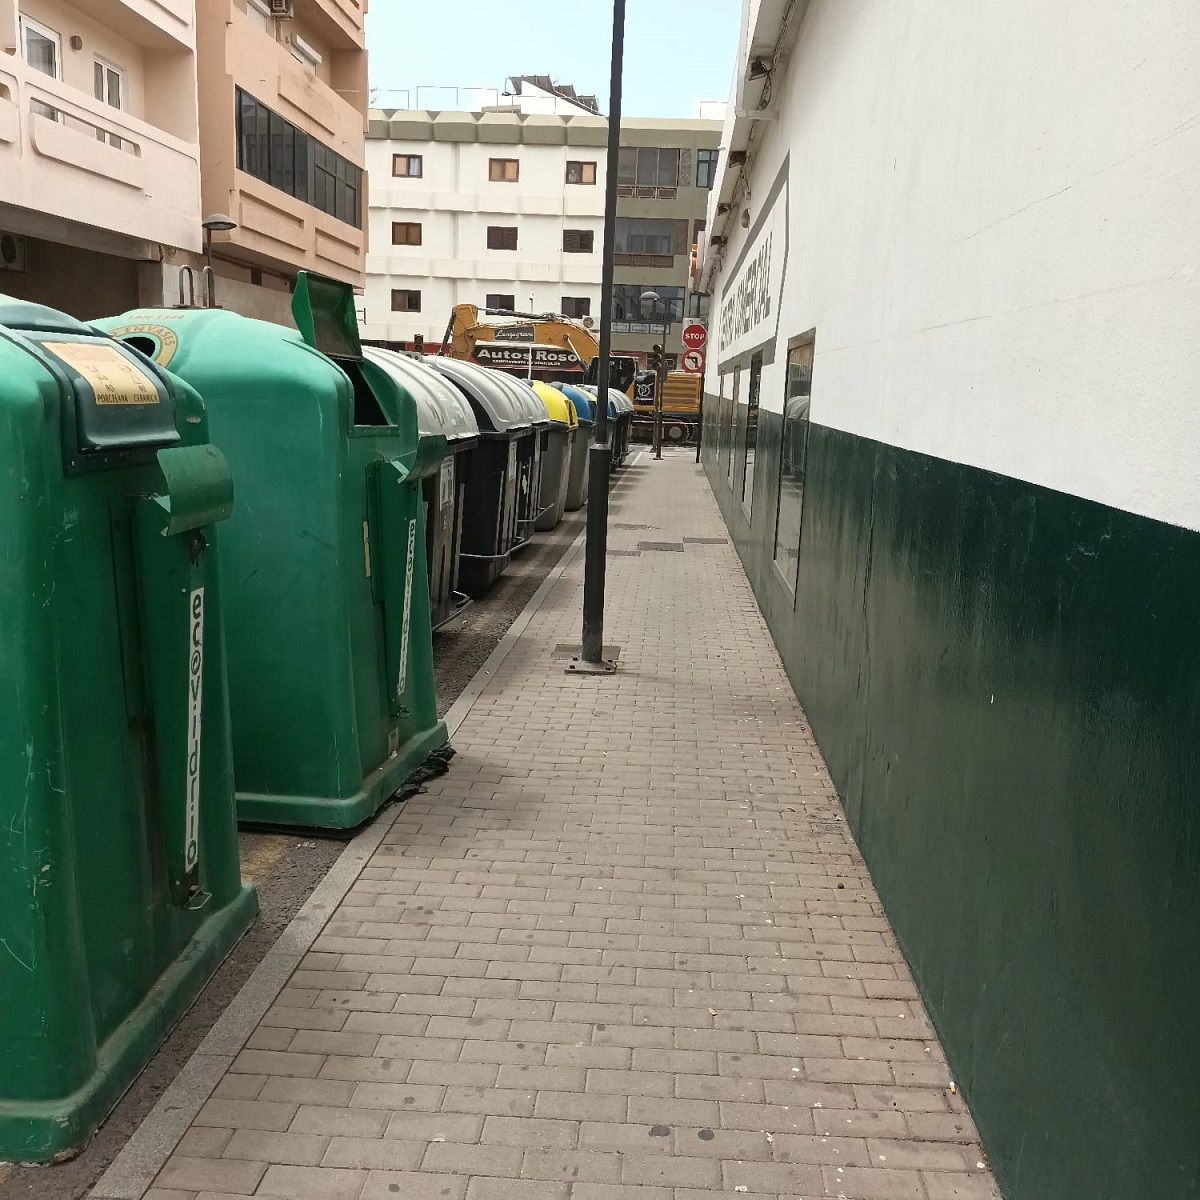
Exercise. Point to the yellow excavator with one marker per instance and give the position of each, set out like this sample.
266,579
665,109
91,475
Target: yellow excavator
555,348
545,346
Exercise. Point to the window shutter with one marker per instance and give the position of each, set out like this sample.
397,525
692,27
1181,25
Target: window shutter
681,237
685,168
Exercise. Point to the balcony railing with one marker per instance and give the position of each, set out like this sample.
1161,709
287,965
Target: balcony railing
64,154
639,192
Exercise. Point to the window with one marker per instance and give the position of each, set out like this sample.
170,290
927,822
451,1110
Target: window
405,300
627,303
304,52
500,300
406,233
42,47
645,235
576,306
751,433
501,237
408,166
697,306
109,89
275,151
578,241
706,167
734,420
503,170
793,457
581,172
648,166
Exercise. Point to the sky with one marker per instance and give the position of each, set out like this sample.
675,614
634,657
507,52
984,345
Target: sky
677,52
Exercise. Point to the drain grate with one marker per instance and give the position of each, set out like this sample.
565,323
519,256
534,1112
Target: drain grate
623,553
625,525
673,547
706,541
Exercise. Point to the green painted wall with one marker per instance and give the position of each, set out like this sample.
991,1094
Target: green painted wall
1005,682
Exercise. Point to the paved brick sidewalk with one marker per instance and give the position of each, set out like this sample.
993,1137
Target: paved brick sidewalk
625,950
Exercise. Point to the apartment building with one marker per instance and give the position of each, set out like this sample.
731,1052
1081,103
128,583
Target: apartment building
125,123
499,209
666,171
283,104
99,151
504,207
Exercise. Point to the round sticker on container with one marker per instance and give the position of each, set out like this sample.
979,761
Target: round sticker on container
156,342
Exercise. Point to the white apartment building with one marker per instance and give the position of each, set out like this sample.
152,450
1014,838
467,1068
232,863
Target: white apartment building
503,209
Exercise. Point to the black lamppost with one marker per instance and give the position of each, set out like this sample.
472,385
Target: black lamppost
217,223
591,660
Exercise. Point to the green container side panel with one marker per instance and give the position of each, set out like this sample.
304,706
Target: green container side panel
318,737
1005,683
99,954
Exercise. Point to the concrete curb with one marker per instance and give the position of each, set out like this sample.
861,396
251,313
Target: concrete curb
136,1166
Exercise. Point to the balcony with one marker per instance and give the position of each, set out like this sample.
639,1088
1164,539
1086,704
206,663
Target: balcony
277,231
156,24
340,21
66,155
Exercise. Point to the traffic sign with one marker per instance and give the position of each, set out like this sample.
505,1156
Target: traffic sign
694,336
692,361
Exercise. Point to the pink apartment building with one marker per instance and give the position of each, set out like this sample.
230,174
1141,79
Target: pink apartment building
124,124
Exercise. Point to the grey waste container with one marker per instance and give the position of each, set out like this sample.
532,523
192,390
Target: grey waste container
529,461
577,481
506,440
441,409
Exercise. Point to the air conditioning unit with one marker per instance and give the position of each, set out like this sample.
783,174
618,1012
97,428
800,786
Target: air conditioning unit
282,8
12,252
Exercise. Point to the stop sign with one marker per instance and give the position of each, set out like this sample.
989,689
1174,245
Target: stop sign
694,336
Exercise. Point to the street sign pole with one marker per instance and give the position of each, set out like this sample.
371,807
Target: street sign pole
659,381
591,660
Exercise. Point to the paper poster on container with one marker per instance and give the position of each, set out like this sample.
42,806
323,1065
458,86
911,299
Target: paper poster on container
113,378
753,289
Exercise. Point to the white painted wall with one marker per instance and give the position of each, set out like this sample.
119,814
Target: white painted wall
994,222
455,202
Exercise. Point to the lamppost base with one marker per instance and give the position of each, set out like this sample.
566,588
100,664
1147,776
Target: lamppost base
580,666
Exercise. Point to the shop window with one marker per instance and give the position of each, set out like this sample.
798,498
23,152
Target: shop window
751,433
793,457
627,304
